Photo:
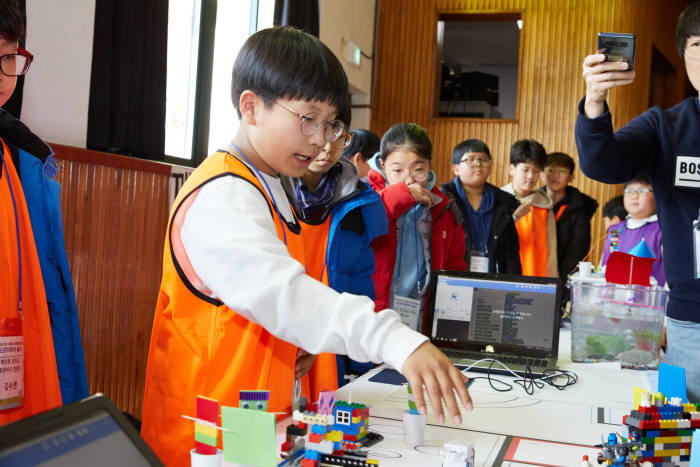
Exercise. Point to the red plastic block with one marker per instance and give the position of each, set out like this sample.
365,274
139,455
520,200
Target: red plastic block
315,437
309,463
286,446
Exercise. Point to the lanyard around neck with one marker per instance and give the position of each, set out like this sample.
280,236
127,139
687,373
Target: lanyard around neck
269,191
19,245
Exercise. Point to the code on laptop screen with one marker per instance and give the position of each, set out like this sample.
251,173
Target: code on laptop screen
483,311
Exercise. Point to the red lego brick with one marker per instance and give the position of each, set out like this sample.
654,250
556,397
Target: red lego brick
286,446
315,437
309,463
348,437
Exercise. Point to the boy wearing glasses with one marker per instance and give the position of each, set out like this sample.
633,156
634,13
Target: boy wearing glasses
641,224
572,209
340,216
28,373
236,304
491,238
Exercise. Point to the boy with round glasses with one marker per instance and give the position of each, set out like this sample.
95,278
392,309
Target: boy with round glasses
236,305
491,238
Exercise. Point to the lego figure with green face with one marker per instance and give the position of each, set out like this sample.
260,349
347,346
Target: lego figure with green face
254,400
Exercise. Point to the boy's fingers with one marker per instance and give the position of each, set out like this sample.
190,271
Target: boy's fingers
432,387
447,388
460,382
417,389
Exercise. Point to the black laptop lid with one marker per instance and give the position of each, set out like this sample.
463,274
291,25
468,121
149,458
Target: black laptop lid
85,433
507,313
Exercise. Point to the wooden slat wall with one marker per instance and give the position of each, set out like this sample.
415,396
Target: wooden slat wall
556,36
115,212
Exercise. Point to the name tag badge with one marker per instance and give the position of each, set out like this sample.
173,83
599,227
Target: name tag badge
11,363
687,171
478,263
409,310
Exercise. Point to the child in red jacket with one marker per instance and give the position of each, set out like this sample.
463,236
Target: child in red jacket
425,230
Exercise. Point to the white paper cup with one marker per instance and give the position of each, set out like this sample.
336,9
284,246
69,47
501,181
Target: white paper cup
413,427
206,460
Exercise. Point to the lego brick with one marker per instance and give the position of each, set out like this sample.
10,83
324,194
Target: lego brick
334,435
311,454
319,429
306,462
315,437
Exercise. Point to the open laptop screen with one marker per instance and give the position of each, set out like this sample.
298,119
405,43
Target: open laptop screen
97,440
510,313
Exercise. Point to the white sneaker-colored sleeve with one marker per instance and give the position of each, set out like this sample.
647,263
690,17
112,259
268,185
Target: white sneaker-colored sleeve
231,241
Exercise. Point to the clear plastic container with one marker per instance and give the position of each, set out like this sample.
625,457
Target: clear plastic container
611,322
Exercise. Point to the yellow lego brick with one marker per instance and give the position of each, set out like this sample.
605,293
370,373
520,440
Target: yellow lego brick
669,439
205,430
356,419
336,436
671,452
372,461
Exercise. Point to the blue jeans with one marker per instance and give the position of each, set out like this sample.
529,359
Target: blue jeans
683,349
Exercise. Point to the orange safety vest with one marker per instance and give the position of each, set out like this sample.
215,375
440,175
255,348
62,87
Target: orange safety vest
41,387
199,346
534,250
323,374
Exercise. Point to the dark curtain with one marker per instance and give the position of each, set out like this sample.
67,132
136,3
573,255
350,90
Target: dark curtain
127,88
302,14
14,103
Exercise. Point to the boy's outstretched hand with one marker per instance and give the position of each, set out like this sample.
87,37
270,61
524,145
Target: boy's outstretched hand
429,368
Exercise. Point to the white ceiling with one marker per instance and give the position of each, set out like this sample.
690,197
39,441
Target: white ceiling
481,43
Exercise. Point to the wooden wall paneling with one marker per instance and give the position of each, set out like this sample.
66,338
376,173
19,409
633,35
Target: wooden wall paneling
556,36
115,212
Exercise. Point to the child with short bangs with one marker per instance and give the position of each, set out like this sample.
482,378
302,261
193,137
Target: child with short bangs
425,227
236,309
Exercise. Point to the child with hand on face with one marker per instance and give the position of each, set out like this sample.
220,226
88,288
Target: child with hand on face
641,224
425,228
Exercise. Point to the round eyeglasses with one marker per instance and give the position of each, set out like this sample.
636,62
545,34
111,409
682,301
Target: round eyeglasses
476,162
16,64
310,124
419,174
639,191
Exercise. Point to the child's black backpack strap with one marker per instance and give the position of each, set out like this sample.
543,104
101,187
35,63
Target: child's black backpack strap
353,222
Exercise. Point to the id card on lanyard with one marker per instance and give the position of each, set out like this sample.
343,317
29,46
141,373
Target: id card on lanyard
11,363
478,262
410,310
11,333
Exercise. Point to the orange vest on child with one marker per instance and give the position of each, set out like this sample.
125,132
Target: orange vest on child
324,371
41,388
534,249
199,346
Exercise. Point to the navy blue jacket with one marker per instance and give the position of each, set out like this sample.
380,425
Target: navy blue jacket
652,143
37,168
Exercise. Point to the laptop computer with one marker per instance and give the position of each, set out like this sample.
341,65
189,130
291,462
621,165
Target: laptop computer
513,319
85,433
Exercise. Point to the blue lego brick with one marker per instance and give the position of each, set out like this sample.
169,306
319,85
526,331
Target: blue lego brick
319,429
313,455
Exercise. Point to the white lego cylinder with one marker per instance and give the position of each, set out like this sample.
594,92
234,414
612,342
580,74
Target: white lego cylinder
585,269
413,427
206,460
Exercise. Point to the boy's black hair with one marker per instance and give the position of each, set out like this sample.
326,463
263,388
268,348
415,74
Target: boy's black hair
284,62
363,141
615,207
528,150
345,115
561,159
470,145
642,179
688,25
406,135
11,25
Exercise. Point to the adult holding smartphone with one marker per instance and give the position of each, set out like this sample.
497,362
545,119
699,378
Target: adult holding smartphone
666,144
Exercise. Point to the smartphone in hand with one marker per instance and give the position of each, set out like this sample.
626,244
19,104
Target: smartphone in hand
617,47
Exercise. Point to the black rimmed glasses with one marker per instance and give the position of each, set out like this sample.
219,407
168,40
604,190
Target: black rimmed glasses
310,124
16,64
